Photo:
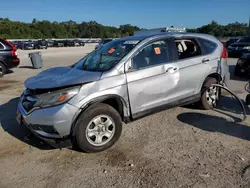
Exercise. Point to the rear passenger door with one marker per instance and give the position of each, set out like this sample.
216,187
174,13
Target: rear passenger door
192,66
212,56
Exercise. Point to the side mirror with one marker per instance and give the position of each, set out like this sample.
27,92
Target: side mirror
128,66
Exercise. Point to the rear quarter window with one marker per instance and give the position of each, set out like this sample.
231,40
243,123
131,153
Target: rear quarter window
207,46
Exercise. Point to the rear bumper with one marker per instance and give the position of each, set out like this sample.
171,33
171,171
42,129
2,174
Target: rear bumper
12,62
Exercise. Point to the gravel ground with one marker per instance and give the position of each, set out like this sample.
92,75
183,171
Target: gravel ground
180,147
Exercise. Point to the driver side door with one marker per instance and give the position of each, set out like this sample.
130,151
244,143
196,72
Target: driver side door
153,77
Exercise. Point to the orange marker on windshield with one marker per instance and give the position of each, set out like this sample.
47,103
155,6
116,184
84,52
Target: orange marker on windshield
157,50
111,50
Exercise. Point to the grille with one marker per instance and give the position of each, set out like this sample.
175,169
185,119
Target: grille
28,100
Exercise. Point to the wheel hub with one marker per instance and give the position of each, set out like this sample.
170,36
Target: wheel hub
212,95
100,130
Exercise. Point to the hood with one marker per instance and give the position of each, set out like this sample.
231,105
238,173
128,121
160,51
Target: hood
60,77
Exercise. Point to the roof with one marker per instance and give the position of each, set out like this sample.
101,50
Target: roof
145,36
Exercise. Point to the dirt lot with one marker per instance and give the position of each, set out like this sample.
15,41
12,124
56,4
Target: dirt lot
181,147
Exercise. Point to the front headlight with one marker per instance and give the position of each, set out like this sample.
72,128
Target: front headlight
56,97
246,47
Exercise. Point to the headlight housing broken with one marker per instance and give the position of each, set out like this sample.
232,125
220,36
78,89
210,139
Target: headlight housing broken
56,97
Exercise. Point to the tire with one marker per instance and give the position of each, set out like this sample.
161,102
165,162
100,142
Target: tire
206,102
82,141
3,69
237,71
248,99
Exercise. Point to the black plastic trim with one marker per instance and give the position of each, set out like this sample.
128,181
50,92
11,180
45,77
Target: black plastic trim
185,101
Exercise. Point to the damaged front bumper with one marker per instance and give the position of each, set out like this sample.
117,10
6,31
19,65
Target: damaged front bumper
51,124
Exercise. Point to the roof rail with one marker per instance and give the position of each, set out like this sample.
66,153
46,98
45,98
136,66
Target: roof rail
161,30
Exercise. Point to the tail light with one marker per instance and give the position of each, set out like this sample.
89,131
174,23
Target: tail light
224,52
13,48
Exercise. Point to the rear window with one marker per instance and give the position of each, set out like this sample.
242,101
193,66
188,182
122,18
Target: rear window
208,46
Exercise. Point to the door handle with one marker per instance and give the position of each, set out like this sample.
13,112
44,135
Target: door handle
172,69
205,60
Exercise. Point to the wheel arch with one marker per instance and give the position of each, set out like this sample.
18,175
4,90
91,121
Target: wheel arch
2,61
215,75
113,100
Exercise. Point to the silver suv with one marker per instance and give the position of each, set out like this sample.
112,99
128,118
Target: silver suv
122,81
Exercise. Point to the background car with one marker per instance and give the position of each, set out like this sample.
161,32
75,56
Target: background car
104,41
8,56
40,44
27,45
50,43
59,43
231,41
240,47
82,43
243,66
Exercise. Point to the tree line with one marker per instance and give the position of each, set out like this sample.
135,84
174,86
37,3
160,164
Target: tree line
71,29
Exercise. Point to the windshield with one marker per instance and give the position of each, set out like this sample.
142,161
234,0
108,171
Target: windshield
244,39
107,56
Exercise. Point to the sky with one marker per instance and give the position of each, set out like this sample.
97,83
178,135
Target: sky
143,13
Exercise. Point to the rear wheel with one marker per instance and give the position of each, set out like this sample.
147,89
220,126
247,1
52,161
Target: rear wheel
97,128
2,69
210,94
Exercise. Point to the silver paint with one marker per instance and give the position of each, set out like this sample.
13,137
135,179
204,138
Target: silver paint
138,90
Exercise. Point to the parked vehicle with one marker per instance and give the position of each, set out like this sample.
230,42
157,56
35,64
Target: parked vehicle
240,47
104,41
242,67
27,45
231,41
82,43
59,43
40,44
16,44
50,43
126,79
8,56
72,43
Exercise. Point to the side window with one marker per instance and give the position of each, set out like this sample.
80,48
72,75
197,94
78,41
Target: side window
208,46
153,54
187,48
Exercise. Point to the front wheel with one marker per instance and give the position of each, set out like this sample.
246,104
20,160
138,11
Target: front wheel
210,94
97,128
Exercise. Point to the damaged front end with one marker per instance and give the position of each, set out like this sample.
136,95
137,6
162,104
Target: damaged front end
43,107
43,98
